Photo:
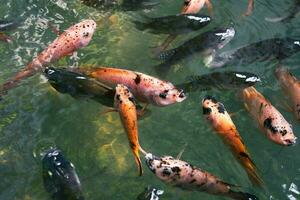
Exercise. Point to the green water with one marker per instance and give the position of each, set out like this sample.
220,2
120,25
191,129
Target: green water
35,117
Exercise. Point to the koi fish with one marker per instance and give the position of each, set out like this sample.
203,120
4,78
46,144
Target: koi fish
79,86
150,193
194,6
206,43
270,120
221,122
75,37
291,86
181,174
59,176
175,24
278,48
127,5
144,88
220,80
125,104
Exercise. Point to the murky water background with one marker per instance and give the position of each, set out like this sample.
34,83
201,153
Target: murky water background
34,116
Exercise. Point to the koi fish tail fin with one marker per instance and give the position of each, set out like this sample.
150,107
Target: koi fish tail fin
241,195
255,178
13,82
251,171
138,160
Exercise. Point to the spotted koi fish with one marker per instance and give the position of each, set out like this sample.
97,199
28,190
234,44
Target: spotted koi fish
69,41
184,175
291,86
221,122
144,88
268,117
125,105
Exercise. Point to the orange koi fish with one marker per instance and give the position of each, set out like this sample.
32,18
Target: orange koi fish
291,86
144,88
221,122
69,41
270,120
125,105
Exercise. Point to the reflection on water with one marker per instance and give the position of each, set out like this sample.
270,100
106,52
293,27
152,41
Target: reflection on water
34,116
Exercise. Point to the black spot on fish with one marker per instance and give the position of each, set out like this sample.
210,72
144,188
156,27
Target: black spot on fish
268,125
187,2
131,99
210,98
221,108
243,154
176,169
137,79
283,132
163,95
118,97
193,180
206,111
166,172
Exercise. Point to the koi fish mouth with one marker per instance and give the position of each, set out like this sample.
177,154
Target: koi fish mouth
290,142
181,96
149,161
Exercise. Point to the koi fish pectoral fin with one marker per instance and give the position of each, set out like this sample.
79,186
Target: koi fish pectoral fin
181,152
108,110
249,8
209,7
54,29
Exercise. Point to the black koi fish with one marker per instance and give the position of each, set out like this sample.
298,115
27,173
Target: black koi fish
60,178
220,80
275,48
206,43
127,5
174,24
78,85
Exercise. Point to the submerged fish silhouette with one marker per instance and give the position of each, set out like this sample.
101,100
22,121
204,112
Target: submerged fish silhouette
278,48
174,24
60,178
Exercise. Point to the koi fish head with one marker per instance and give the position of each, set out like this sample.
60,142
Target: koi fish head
165,167
212,109
168,96
59,175
280,131
83,32
224,36
122,95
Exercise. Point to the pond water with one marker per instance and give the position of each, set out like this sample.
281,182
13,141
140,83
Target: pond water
34,116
